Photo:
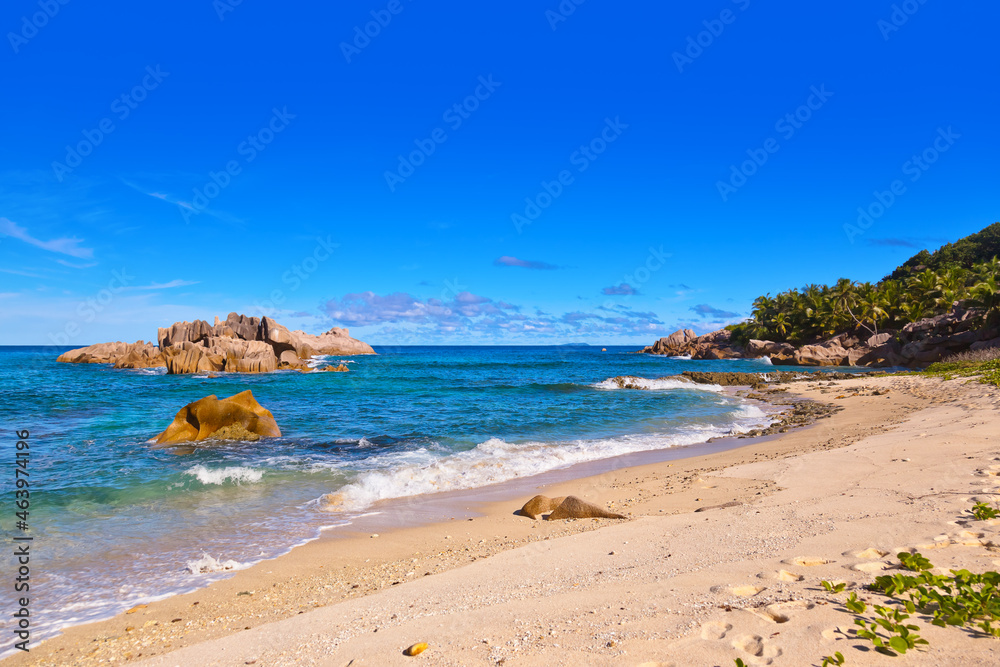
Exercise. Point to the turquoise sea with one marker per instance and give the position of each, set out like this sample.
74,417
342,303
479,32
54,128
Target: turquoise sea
116,522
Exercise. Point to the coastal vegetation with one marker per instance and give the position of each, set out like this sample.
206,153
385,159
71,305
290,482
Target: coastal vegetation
926,285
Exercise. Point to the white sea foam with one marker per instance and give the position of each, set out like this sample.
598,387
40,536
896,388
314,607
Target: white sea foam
682,357
235,474
207,564
766,361
496,461
659,384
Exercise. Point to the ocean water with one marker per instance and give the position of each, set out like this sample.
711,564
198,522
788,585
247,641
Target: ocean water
117,522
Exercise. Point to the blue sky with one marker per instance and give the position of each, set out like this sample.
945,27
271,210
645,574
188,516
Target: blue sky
508,173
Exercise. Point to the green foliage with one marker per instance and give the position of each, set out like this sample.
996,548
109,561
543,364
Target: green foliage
820,311
988,371
979,247
855,604
984,512
889,632
833,588
835,659
962,599
914,562
740,663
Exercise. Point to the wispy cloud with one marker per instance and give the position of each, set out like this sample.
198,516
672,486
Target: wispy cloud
76,266
507,260
172,283
893,243
21,273
705,311
66,245
624,289
189,207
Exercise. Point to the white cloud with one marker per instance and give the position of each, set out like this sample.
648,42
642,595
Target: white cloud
66,245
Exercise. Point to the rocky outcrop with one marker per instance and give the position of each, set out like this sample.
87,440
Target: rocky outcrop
240,344
139,354
238,417
918,344
683,343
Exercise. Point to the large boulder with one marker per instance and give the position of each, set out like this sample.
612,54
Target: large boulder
575,508
238,417
337,341
767,348
139,354
191,358
827,354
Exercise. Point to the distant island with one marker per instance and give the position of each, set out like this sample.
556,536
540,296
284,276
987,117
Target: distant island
240,344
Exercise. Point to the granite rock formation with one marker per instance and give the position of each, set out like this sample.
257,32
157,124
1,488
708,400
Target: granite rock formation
240,344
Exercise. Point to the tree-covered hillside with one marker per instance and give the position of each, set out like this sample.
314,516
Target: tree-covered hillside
973,249
926,285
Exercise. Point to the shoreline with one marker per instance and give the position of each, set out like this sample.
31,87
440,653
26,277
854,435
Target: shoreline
219,610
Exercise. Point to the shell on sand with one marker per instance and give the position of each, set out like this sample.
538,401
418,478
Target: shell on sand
416,649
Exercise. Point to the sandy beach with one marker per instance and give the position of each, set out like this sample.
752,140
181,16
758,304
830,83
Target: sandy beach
683,582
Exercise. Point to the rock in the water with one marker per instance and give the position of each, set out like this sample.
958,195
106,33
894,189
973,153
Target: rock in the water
139,354
540,505
574,508
238,417
240,344
342,368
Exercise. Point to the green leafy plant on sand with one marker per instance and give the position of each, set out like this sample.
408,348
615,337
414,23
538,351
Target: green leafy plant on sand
833,588
988,371
835,659
962,599
984,512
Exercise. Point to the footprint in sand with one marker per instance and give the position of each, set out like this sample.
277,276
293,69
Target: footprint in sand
877,566
808,561
936,544
757,650
782,612
715,630
870,553
839,632
746,591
